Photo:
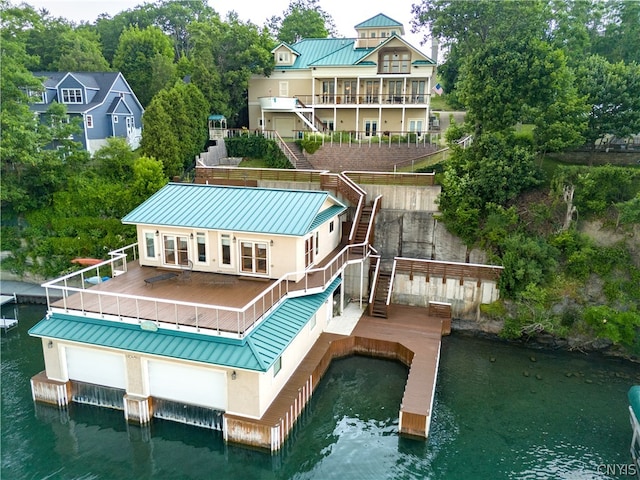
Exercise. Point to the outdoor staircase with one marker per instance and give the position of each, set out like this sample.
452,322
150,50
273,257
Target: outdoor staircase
379,307
300,158
363,225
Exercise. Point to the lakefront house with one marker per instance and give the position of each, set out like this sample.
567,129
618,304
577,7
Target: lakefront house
371,85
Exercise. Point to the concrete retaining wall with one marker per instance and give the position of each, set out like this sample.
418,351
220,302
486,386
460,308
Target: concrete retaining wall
465,298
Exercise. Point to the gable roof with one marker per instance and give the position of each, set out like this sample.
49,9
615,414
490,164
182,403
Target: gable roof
260,350
380,20
240,209
103,82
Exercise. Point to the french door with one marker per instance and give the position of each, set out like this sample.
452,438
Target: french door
253,257
175,250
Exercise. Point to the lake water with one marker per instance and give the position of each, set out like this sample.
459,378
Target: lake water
501,412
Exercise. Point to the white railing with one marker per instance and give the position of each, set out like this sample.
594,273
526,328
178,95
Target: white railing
203,318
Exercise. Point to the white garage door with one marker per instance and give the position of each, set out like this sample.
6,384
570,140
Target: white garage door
96,366
193,385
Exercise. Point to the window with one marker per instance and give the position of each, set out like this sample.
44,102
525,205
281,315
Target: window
277,366
331,226
283,57
395,62
71,95
150,244
283,88
350,87
308,252
328,91
317,243
89,121
253,257
115,119
418,88
201,242
395,91
373,34
35,96
176,250
225,241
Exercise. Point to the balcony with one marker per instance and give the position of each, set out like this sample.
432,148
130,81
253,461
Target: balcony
207,303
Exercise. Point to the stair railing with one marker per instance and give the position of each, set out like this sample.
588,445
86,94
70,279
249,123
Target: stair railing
374,282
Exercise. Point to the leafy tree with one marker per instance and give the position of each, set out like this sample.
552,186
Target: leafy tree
619,43
19,142
302,19
175,127
137,53
81,52
109,29
224,56
148,178
115,160
613,94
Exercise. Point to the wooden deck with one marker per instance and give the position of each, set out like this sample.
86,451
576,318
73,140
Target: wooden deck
409,335
210,301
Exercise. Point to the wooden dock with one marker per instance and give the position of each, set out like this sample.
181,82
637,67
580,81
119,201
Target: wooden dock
410,335
8,323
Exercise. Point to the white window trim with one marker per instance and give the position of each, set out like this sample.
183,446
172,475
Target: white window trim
77,92
89,121
115,119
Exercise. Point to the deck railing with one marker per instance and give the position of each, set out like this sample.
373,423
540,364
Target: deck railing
446,270
391,178
191,316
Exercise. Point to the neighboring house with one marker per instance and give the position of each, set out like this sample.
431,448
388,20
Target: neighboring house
198,320
371,84
103,101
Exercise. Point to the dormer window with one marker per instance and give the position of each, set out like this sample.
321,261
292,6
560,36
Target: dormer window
35,96
71,95
283,57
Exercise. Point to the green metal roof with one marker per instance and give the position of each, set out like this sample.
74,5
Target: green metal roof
241,209
380,20
258,352
326,51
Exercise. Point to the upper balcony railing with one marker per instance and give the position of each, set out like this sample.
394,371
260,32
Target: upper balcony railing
338,100
231,322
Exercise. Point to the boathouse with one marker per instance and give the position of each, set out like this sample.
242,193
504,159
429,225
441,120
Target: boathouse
232,303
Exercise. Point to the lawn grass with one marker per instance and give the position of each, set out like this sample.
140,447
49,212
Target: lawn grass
253,163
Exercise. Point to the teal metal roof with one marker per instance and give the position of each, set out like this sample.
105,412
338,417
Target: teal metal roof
325,51
217,117
258,352
325,216
380,20
241,209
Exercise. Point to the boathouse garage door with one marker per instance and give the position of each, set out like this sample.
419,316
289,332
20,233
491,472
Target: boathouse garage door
96,366
188,384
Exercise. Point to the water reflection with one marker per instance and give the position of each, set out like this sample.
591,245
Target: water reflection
500,412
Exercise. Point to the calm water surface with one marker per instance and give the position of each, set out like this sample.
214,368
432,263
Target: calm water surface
502,412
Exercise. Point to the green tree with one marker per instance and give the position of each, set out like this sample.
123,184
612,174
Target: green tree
612,91
137,53
81,52
224,56
148,178
302,19
19,142
115,160
619,43
175,127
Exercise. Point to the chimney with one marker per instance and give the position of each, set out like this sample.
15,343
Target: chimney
435,44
